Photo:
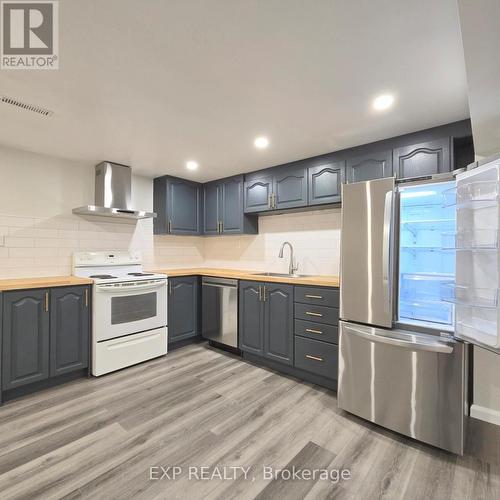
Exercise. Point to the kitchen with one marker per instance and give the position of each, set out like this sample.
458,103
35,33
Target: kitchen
258,248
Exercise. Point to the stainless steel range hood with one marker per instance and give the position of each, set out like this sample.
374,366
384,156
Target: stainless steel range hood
113,193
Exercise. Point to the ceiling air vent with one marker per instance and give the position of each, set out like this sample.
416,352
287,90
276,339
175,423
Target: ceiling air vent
26,106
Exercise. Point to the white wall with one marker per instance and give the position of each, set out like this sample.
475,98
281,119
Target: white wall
315,237
38,232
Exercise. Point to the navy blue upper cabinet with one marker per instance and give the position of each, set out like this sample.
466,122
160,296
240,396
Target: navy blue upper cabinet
223,208
325,182
289,187
211,215
369,166
258,192
423,159
280,188
178,205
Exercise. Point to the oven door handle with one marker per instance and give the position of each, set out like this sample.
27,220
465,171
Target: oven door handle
151,285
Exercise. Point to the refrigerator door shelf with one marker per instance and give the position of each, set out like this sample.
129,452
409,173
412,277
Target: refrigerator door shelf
471,239
470,296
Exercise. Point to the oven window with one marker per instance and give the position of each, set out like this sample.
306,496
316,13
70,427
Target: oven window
133,308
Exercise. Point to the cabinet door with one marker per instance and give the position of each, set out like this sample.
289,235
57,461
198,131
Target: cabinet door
25,353
69,329
424,159
290,187
232,205
251,317
325,183
211,216
278,326
257,194
183,207
369,166
182,308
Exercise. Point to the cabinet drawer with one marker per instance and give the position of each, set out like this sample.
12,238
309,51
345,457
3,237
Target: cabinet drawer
316,357
318,314
317,331
317,296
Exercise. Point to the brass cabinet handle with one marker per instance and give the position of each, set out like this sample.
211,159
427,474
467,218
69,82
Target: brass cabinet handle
221,226
46,301
170,288
310,330
274,200
169,226
270,200
260,293
86,297
314,358
309,313
264,292
314,296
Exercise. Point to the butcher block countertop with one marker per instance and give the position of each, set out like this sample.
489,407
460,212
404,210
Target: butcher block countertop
48,282
252,276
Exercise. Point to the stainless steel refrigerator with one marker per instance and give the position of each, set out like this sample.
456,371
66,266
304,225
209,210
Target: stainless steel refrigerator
400,365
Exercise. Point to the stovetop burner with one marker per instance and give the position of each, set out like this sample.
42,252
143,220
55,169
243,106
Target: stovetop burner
102,276
140,274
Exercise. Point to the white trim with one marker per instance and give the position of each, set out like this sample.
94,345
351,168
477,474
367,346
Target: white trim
486,414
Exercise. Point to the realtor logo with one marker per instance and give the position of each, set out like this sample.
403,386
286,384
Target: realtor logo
30,35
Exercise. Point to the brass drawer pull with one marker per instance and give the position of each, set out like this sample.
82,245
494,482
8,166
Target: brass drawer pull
314,358
169,227
310,330
314,314
46,301
314,296
86,297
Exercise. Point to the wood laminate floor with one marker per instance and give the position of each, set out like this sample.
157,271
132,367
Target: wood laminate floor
97,438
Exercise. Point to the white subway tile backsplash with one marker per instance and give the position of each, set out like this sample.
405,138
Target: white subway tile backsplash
42,247
15,242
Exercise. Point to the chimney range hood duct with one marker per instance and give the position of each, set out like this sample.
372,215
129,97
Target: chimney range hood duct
113,193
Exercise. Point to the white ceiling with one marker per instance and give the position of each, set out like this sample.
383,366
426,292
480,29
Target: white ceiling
154,83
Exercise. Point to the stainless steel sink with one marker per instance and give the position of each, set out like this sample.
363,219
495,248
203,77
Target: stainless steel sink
282,275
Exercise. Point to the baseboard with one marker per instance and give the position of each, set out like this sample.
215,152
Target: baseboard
485,414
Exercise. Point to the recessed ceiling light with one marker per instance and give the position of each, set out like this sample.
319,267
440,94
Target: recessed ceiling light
191,165
382,102
261,142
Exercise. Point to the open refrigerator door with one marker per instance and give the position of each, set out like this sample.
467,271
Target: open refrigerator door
474,293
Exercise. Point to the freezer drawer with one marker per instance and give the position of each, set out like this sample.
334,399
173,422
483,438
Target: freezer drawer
411,383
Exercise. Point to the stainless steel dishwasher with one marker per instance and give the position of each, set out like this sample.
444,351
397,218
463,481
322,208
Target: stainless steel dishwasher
220,311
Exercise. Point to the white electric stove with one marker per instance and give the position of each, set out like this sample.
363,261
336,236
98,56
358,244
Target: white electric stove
129,309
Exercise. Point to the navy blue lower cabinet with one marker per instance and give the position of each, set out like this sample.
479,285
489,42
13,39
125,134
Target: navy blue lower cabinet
278,322
69,329
25,328
183,308
266,320
251,317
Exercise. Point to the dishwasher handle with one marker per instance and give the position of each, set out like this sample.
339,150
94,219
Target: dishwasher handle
220,282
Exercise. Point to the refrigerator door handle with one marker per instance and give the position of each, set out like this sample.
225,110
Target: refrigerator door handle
414,345
386,253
